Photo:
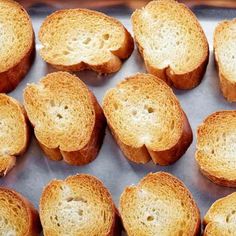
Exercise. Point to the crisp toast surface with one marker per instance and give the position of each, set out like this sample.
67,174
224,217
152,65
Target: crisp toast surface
14,132
17,46
159,204
147,120
18,216
67,119
225,57
78,39
220,220
79,205
171,42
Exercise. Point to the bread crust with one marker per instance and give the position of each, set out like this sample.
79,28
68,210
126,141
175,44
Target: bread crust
187,80
10,78
7,162
115,62
227,86
116,226
34,225
87,153
214,176
164,178
165,157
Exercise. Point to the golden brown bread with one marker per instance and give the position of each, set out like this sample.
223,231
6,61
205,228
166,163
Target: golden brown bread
68,121
78,39
216,148
159,205
225,57
147,120
221,217
77,206
18,216
171,42
14,132
17,46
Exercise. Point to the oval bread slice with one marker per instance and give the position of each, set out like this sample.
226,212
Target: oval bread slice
220,220
225,57
159,205
78,39
79,205
172,42
147,120
17,45
67,119
14,132
18,216
216,148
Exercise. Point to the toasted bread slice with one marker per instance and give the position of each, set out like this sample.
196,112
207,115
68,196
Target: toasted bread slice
18,216
14,132
216,148
147,120
221,217
17,44
67,119
225,57
78,39
159,205
171,42
79,205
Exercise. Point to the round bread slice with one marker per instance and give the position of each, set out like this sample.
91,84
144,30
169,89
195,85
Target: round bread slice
172,42
18,216
14,132
67,119
216,148
17,46
225,57
78,39
147,120
220,220
79,205
159,205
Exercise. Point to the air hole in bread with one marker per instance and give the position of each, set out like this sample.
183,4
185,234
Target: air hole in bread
181,233
59,116
65,107
101,45
87,41
80,212
134,112
66,52
150,218
106,36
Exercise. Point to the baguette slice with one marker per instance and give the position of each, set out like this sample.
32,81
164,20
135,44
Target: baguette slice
216,148
14,132
79,205
159,205
171,42
225,57
18,216
147,120
78,39
17,46
68,121
220,220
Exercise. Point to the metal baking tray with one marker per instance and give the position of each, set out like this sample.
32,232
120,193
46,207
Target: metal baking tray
33,171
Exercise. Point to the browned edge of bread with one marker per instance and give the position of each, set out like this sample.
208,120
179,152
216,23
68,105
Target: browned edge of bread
33,221
116,226
148,182
8,162
111,66
88,152
144,154
13,76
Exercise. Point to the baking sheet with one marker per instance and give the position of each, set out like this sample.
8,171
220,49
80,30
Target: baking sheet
33,171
